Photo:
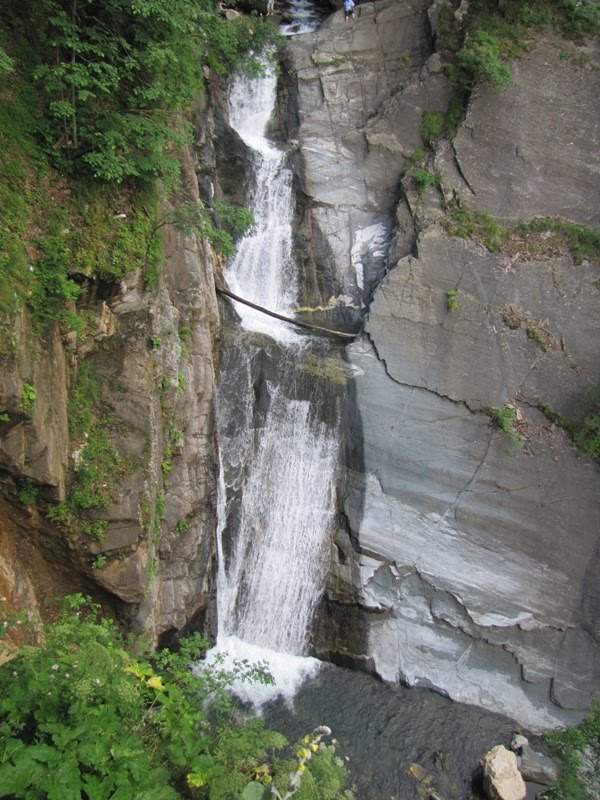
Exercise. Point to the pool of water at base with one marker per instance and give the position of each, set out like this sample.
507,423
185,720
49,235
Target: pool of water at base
385,730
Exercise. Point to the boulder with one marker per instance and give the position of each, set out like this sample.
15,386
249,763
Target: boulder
501,777
534,766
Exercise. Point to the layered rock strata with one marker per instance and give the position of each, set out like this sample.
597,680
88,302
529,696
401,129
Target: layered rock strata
152,353
471,557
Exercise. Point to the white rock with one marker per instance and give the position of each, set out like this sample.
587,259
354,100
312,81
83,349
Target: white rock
501,777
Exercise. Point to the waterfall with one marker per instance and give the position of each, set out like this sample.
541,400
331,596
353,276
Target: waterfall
279,449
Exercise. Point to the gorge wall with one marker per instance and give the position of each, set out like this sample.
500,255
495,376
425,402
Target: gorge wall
151,351
469,561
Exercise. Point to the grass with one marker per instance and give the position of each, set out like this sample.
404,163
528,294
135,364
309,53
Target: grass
85,394
423,179
538,237
505,419
432,126
452,301
54,232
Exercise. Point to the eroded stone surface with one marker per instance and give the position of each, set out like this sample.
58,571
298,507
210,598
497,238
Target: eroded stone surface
475,559
361,90
532,149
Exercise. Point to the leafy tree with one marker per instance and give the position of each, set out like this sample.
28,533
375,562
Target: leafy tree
116,75
82,717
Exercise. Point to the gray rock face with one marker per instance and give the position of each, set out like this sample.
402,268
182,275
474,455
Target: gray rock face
361,89
532,150
469,562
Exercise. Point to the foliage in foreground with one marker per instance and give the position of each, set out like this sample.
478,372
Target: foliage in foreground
567,745
81,717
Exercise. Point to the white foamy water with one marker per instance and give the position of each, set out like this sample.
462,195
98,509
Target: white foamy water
273,573
263,269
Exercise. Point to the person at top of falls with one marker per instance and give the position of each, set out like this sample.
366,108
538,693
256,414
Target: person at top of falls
348,9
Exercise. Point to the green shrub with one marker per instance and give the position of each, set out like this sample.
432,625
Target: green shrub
182,527
481,60
6,62
432,126
587,435
452,301
423,179
155,342
115,77
98,472
28,399
567,745
82,716
28,494
505,419
99,562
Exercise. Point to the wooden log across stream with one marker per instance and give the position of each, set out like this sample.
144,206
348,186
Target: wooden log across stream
307,325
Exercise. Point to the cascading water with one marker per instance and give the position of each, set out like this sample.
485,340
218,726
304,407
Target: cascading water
279,447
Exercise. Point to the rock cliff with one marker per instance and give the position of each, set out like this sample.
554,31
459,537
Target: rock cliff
151,354
471,556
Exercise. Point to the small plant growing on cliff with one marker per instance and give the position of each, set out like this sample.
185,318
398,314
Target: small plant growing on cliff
505,419
28,495
28,398
182,527
155,342
432,126
99,562
452,301
536,335
423,179
4,417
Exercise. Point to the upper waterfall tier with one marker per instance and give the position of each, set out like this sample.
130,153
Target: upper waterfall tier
263,269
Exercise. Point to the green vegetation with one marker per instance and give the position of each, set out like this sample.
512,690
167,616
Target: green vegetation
185,340
91,122
497,33
4,417
536,335
505,419
98,472
85,394
452,301
432,126
470,224
115,76
155,342
423,179
182,527
28,398
99,562
222,225
83,716
567,745
28,494
536,238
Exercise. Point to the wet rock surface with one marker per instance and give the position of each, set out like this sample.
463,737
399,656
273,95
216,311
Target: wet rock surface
360,90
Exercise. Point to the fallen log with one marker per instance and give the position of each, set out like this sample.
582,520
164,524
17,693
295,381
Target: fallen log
298,323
